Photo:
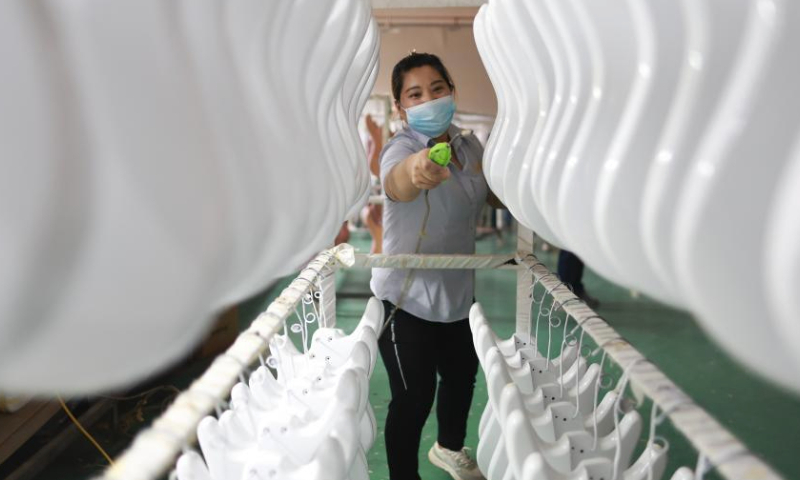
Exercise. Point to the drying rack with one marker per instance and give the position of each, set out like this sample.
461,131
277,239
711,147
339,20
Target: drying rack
154,451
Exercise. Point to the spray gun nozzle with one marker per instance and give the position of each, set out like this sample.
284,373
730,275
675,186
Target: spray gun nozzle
463,133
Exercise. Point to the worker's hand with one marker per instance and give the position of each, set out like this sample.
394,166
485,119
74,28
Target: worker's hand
424,173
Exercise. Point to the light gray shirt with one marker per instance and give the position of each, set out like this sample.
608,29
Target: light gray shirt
455,206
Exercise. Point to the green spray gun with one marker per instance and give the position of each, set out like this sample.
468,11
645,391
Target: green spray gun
442,152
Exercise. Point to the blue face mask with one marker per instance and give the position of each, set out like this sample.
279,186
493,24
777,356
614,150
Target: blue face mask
432,118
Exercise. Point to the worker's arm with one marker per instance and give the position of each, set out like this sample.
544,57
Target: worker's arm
412,175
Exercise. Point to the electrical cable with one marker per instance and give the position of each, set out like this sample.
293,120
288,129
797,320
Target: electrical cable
410,275
142,394
83,431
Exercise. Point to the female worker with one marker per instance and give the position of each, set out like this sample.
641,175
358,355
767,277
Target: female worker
429,209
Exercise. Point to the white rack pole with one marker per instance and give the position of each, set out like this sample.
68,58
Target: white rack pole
328,300
408,260
524,282
154,450
721,448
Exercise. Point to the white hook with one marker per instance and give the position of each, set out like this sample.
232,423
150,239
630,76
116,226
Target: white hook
621,395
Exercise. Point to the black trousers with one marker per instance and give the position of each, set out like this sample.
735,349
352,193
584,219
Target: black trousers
414,351
570,270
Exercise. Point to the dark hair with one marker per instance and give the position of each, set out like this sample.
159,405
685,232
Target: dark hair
415,60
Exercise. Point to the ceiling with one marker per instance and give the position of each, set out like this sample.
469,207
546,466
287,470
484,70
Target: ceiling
443,17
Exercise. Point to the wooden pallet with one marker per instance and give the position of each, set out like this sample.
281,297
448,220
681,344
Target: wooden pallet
37,462
18,427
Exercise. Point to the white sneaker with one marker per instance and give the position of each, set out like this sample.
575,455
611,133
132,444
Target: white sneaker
458,464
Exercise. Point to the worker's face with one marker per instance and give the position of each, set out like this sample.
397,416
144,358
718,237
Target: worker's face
420,85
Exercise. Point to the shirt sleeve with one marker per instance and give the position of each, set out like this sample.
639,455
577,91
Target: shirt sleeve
393,153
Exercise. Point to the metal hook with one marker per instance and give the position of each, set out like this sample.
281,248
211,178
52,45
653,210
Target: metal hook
303,330
596,391
537,281
554,305
559,284
309,282
326,271
564,343
550,326
566,324
626,375
703,466
565,303
683,401
536,324
540,302
580,341
549,274
655,421
625,379
706,465
567,340
311,317
244,373
323,322
308,318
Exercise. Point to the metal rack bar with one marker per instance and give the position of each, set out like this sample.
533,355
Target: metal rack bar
524,283
154,450
465,262
722,449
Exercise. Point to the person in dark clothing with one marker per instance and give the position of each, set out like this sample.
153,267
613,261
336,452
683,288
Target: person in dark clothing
570,270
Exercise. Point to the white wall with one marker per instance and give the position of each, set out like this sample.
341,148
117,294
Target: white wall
425,3
456,47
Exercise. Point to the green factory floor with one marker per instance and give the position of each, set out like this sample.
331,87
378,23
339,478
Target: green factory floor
762,416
